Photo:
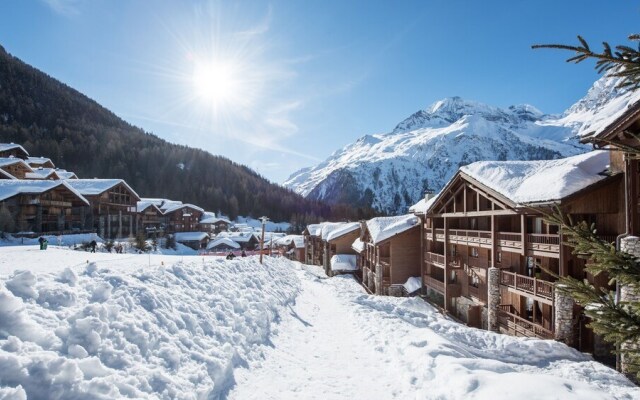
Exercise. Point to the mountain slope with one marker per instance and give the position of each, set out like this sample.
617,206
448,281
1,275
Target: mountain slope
51,119
391,171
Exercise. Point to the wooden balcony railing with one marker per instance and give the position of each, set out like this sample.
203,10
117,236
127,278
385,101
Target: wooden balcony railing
434,284
470,236
518,326
543,238
522,283
440,234
434,259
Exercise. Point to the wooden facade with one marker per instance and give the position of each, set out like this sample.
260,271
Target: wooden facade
183,218
470,228
15,167
314,247
386,265
113,206
150,220
13,150
45,208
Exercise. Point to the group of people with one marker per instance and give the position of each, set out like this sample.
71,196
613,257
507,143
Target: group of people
231,256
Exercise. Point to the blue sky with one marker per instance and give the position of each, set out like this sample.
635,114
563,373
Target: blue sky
294,81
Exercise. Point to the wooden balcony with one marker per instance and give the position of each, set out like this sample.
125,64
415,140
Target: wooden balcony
434,259
527,286
463,236
434,284
515,325
510,240
543,242
440,234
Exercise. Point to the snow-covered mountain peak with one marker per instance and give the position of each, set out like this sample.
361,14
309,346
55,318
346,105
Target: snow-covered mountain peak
601,92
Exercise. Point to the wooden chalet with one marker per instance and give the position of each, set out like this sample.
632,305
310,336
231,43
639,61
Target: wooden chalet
43,206
113,206
195,240
389,253
337,239
292,247
487,250
13,150
182,218
15,167
212,224
222,245
149,219
314,248
40,162
43,173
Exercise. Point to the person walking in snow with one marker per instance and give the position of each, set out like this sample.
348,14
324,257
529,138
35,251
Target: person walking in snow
41,241
93,245
243,254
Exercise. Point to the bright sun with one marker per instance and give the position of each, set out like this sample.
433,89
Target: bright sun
217,84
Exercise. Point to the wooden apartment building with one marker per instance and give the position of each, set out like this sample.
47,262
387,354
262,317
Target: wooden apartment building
389,253
487,250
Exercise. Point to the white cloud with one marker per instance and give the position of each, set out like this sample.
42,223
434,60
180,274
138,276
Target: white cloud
64,7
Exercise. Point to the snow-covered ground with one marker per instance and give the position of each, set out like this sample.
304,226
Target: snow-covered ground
160,326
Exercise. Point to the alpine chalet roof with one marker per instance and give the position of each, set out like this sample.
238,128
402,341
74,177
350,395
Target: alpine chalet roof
423,205
383,228
298,241
341,230
190,236
223,241
13,187
6,161
176,207
315,229
93,187
11,146
38,161
527,182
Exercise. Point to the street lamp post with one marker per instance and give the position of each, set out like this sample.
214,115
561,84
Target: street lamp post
264,222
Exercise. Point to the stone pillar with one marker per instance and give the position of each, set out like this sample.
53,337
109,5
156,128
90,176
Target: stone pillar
627,293
563,317
371,281
493,299
379,272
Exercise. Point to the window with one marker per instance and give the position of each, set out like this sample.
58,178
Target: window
474,252
499,257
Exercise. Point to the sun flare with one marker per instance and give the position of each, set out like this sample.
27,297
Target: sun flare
217,84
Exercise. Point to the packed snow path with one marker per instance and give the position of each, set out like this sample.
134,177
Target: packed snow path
319,353
337,342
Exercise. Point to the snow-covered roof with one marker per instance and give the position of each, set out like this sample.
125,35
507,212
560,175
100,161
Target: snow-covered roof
342,230
412,284
223,241
162,204
190,236
180,206
42,173
423,205
298,241
64,174
525,182
5,175
343,262
94,187
13,187
11,146
239,237
38,161
383,228
143,205
6,161
214,220
358,245
314,229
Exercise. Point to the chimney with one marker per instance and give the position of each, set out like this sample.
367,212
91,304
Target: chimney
428,195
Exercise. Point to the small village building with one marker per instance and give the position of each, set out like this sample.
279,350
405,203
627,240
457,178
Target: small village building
16,167
292,247
43,206
13,150
195,240
247,240
314,248
222,245
337,238
489,256
211,223
389,249
113,206
40,162
150,219
182,218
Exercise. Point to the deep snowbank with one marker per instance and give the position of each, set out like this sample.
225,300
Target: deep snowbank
174,331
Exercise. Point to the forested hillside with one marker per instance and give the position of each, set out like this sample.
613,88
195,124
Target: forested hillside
52,119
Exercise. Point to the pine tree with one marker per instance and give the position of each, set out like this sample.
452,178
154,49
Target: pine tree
140,242
618,322
621,61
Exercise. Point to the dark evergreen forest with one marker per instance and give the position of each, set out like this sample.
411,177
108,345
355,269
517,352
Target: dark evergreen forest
53,120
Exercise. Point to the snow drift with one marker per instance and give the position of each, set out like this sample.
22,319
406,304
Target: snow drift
165,332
